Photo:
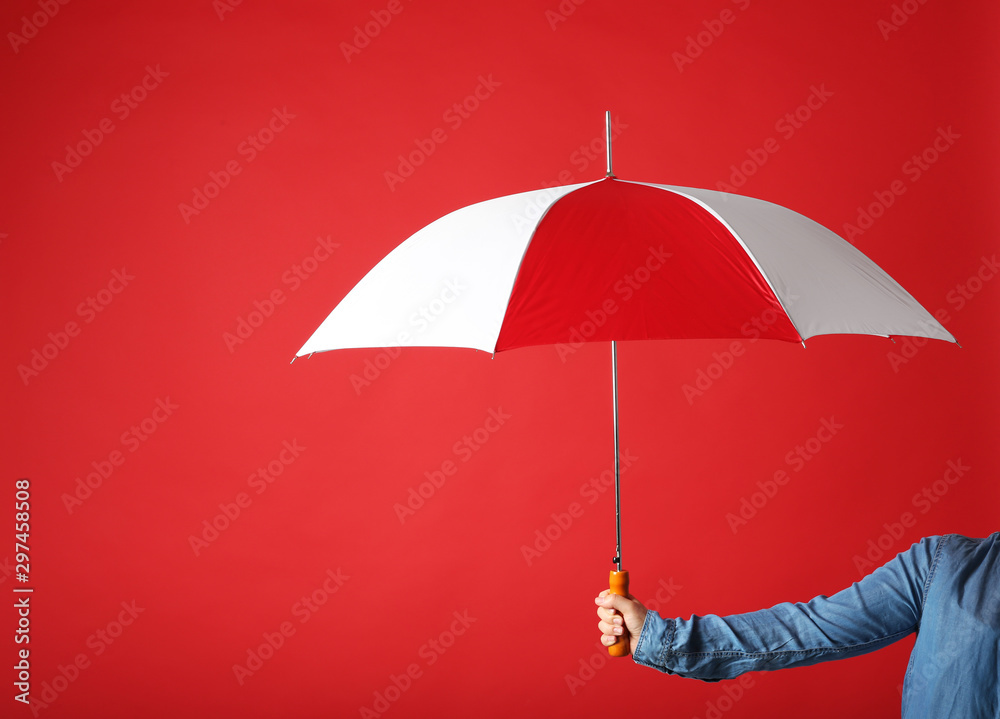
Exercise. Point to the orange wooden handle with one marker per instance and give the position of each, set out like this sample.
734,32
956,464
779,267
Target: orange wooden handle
619,585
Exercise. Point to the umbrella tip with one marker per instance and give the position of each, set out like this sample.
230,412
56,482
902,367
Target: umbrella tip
607,131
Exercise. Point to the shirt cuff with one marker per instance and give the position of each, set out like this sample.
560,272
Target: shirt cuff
654,641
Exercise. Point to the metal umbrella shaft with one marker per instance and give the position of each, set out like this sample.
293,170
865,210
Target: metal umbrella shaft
614,385
618,580
618,497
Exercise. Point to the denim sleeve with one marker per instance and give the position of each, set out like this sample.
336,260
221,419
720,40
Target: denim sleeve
880,609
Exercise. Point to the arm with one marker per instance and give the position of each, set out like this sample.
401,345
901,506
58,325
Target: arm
880,609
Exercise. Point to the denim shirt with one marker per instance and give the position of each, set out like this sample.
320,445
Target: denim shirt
946,589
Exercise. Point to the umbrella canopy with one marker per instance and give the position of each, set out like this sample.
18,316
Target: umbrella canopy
613,260
617,260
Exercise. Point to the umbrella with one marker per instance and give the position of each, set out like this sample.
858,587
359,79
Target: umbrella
614,260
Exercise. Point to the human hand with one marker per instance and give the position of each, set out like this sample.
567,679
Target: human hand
616,611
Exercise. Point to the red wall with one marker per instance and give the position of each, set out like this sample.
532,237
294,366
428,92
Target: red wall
289,116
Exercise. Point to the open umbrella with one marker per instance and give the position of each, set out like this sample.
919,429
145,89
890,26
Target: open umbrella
613,260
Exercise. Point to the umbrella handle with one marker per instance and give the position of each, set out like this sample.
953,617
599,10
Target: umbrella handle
619,585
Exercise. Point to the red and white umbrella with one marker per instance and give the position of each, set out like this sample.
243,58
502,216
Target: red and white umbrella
616,260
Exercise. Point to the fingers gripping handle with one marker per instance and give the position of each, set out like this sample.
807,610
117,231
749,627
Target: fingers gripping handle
619,585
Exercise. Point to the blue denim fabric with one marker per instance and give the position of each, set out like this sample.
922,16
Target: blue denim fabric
946,589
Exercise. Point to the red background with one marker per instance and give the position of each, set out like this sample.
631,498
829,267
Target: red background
163,336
